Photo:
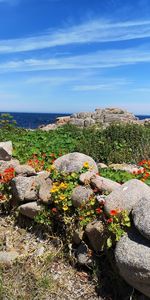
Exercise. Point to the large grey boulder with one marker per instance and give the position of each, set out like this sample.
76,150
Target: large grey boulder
104,184
141,216
24,189
73,162
30,210
95,232
127,195
132,256
81,195
6,150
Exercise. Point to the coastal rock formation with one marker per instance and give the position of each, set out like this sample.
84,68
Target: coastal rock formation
101,116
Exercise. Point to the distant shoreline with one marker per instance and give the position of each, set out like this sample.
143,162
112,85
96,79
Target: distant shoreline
34,120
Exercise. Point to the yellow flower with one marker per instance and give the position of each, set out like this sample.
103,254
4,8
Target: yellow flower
65,207
86,164
62,197
54,190
63,186
52,168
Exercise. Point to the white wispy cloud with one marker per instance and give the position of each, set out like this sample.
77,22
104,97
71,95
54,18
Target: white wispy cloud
111,84
98,31
95,60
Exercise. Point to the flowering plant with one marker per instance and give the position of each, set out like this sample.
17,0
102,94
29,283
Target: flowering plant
5,177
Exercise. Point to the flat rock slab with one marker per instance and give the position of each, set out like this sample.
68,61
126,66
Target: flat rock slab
127,195
6,150
30,210
132,256
73,162
7,258
141,217
104,184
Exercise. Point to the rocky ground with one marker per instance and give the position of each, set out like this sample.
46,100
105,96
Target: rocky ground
40,270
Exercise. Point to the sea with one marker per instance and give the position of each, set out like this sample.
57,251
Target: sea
34,120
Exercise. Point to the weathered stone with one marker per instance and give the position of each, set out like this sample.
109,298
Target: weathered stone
104,184
132,255
7,258
13,163
25,170
95,232
24,189
83,256
81,195
77,236
73,162
44,191
77,122
85,178
89,122
127,195
102,165
141,216
125,167
6,150
30,209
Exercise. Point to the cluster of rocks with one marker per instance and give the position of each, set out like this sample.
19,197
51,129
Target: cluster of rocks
31,190
102,117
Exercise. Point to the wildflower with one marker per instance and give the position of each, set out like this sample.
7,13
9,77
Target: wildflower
114,212
62,197
86,164
63,185
110,220
98,210
65,207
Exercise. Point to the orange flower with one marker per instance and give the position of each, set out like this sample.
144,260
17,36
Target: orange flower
114,212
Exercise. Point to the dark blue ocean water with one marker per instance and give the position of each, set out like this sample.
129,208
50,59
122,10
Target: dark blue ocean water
33,120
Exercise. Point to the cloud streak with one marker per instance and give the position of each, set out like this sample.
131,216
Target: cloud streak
95,60
98,31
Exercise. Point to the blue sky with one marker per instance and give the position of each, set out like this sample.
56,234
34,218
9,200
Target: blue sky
74,55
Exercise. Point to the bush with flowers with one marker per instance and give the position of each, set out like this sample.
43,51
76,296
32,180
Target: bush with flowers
63,214
5,177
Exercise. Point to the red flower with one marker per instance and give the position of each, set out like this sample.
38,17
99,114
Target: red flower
98,210
110,220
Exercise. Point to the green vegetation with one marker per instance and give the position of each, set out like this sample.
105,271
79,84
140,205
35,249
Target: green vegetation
115,144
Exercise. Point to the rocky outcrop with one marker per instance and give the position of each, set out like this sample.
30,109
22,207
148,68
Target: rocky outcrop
101,116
